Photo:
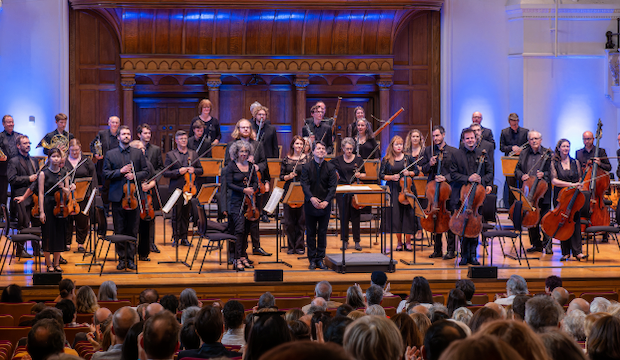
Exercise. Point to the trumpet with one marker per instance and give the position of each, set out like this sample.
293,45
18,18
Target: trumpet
3,156
58,141
522,147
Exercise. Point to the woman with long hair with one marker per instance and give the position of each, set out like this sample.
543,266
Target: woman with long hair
365,142
352,127
294,218
414,147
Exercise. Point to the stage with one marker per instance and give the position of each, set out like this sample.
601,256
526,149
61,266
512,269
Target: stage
218,281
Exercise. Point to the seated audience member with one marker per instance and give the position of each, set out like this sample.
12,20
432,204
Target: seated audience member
422,322
122,320
603,342
148,296
66,290
480,347
233,323
323,289
483,316
188,313
343,310
542,311
463,315
578,304
306,350
456,299
160,337
152,309
375,310
552,282
436,307
36,308
379,278
99,317
408,330
46,338
439,336
574,325
356,314
107,291
266,301
68,312
519,336
373,337
334,330
86,300
374,295
464,327
590,320
170,303
189,338
613,308
518,307
209,324
291,314
12,294
560,295
419,294
322,317
439,315
317,304
516,285
299,330
420,309
355,298
268,331
499,308
599,304
188,298
129,351
468,288
560,346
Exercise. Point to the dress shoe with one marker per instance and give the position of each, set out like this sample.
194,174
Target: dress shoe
68,248
184,242
120,266
408,247
463,262
300,252
24,255
435,255
320,265
260,251
290,252
449,255
250,261
358,246
131,265
534,249
312,265
581,256
62,261
474,261
155,249
81,249
264,219
549,251
144,258
345,245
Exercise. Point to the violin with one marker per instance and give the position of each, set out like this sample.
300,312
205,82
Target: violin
147,210
129,201
437,219
261,185
189,186
534,189
404,196
597,182
72,208
560,222
61,200
467,222
251,210
35,208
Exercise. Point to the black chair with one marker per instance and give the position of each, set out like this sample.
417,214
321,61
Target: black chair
13,239
215,240
102,235
591,231
517,233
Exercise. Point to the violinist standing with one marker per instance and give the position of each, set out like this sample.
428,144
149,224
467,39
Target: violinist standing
176,173
429,166
79,222
318,181
242,182
463,170
317,129
268,140
349,166
529,164
294,218
117,170
565,172
53,228
510,141
414,146
401,216
154,157
146,227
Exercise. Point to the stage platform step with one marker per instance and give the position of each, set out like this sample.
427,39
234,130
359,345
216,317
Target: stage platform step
360,263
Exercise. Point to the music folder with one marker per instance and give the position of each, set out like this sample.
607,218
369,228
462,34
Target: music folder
519,195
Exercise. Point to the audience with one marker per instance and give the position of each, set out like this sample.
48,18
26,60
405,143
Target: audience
419,309
68,312
170,303
46,338
306,350
560,295
189,337
148,296
552,282
188,298
12,294
86,300
480,347
498,308
599,304
482,316
267,331
519,336
604,339
343,310
379,278
107,291
160,338
187,314
355,298
317,304
574,325
266,301
456,299
590,320
152,309
129,350
209,324
233,323
66,290
560,346
578,304
299,330
420,293
463,315
291,314
356,314
375,310
373,338
323,289
123,319
408,330
422,322
542,311
439,336
516,285
518,307
468,288
334,330
374,295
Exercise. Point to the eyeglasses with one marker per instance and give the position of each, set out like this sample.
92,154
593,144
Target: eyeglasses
535,138
244,127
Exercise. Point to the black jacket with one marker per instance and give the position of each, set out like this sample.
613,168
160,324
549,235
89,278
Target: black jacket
268,139
582,156
177,181
108,141
209,351
259,158
522,169
114,160
153,155
322,185
506,142
323,131
9,148
18,173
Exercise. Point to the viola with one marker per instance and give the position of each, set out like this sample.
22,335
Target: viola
35,208
61,203
405,195
189,186
261,184
560,222
535,189
251,210
129,201
72,208
467,222
597,182
147,211
437,219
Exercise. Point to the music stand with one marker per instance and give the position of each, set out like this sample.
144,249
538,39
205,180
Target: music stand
526,205
509,163
218,151
92,235
418,212
211,167
167,208
81,187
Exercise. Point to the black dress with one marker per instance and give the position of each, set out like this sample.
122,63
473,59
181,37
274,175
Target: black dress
53,232
212,129
86,170
572,175
294,218
366,149
401,216
239,225
347,212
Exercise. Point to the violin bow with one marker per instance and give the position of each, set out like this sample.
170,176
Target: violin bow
363,163
135,181
410,165
64,177
161,172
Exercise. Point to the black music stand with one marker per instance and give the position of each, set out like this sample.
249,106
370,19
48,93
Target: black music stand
92,251
288,199
418,212
170,205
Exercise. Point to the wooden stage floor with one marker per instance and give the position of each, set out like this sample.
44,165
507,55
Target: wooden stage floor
607,266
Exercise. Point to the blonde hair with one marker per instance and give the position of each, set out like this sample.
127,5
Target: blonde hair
408,142
259,108
86,300
356,314
519,336
371,335
390,155
236,135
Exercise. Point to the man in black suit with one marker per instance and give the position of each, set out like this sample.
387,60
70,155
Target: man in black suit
61,124
482,144
463,171
185,164
268,140
510,141
318,181
487,134
317,129
8,145
109,140
117,169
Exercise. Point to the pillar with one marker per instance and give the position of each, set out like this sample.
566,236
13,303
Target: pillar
128,81
301,83
213,83
385,83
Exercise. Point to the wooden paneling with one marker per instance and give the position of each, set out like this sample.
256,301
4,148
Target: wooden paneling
166,116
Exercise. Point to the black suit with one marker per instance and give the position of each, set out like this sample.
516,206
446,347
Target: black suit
321,132
19,170
125,221
108,141
583,156
490,148
9,148
507,139
268,139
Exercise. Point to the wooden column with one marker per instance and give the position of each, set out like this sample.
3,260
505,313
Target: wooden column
128,81
384,83
301,83
213,83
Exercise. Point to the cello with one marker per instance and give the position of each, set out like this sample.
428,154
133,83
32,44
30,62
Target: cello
597,182
467,222
534,189
437,220
559,223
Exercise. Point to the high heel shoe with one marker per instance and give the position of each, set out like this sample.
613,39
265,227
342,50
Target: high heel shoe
565,258
399,247
238,265
247,264
408,247
581,256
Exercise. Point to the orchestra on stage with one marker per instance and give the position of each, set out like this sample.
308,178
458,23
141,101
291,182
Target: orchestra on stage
547,191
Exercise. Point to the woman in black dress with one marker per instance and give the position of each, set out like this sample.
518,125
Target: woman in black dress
352,127
365,141
347,166
565,172
86,170
401,216
53,228
237,175
414,146
294,218
212,126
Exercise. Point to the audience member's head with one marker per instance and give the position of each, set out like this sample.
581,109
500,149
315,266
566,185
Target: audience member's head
68,310
419,309
66,287
551,282
12,294
499,308
518,307
483,316
129,350
148,296
420,291
268,331
123,319
519,336
578,304
356,314
170,303
378,278
189,337
435,308
480,347
463,315
152,309
160,338
439,315
375,310
86,300
542,311
343,310
439,336
190,313
36,308
299,330
603,340
306,350
422,322
266,301
516,285
233,314
209,324
599,304
590,320
101,315
374,295
334,330
46,338
408,330
317,304
355,298
323,289
107,291
574,325
560,346
560,295
291,314
467,287
323,317
188,298
49,313
373,337
456,299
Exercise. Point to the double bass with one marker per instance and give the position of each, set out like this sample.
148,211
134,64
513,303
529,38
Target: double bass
467,222
560,222
437,220
534,189
597,181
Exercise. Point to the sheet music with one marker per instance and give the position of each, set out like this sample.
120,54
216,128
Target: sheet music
274,200
353,188
90,202
173,200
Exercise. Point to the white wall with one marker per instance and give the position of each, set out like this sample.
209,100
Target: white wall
34,64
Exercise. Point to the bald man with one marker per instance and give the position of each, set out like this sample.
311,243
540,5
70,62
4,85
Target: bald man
560,295
579,304
487,134
123,319
152,309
